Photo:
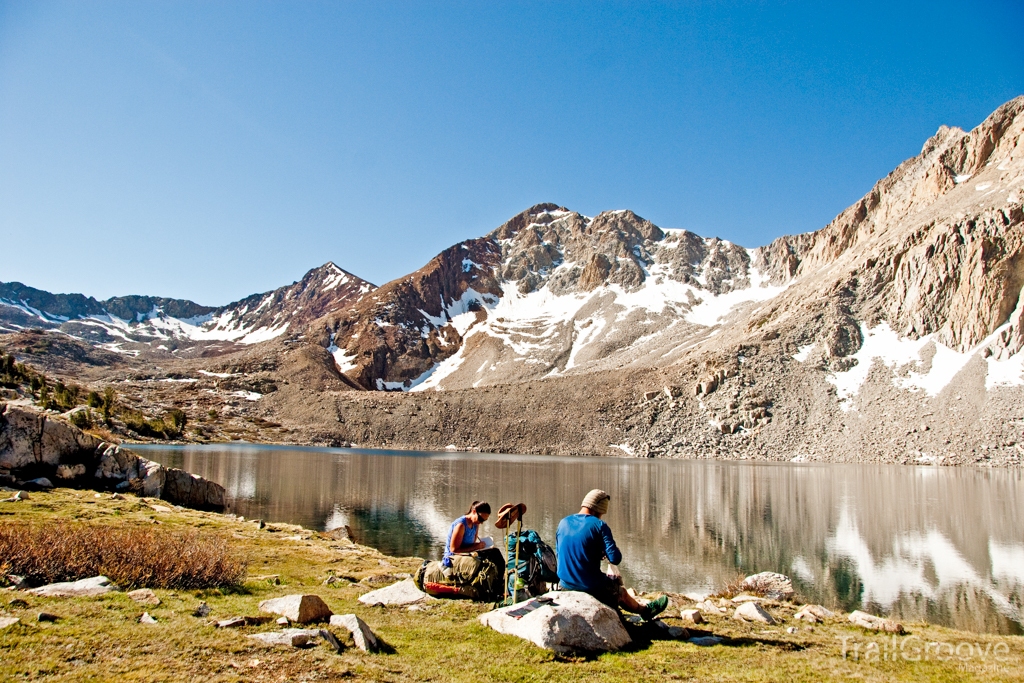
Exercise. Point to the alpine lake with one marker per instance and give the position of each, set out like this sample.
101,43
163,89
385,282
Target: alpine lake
943,545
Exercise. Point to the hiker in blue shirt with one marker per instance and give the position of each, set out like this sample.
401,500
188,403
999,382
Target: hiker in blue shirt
583,540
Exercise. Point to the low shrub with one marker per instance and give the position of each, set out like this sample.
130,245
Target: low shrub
81,419
731,589
132,557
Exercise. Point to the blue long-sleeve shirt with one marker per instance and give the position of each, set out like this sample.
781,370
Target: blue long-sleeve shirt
581,542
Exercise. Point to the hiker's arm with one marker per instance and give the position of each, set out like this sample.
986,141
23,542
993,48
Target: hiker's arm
456,542
611,551
457,545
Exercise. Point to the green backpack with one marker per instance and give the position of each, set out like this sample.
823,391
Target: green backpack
537,565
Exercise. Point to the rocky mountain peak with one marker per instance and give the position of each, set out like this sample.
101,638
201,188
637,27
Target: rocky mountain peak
935,246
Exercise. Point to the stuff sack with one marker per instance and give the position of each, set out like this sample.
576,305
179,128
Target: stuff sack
537,565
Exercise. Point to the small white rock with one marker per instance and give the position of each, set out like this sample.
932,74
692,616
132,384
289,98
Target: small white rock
294,637
362,636
710,608
691,615
401,593
147,618
96,585
813,614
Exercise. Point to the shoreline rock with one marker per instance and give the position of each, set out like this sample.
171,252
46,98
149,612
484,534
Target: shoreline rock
37,449
873,623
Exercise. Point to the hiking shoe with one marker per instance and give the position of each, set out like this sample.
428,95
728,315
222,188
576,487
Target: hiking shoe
654,608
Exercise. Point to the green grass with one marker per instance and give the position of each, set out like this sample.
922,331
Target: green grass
99,639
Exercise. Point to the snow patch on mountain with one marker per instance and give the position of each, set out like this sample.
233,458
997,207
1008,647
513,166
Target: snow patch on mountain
1005,373
915,369
342,359
803,353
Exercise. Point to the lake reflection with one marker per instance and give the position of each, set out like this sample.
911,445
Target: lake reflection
943,545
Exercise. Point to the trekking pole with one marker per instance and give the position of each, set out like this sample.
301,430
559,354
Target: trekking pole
505,575
517,580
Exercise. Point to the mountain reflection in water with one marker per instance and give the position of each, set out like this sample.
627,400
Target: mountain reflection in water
943,545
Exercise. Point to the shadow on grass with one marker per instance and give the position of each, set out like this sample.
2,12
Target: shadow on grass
643,635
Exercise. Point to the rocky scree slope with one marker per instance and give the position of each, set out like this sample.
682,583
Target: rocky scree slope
159,326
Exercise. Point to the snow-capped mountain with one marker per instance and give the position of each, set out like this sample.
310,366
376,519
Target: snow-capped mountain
135,323
549,292
933,251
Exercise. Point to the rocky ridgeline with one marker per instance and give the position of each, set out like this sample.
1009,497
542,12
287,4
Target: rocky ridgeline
40,451
934,247
158,325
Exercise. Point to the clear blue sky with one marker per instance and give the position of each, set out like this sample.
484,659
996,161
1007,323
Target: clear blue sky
210,150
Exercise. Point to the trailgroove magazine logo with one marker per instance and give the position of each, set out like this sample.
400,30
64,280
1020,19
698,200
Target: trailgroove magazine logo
916,649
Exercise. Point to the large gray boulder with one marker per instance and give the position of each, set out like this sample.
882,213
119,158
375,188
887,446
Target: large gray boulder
401,593
562,621
117,464
96,585
190,490
300,609
28,438
153,476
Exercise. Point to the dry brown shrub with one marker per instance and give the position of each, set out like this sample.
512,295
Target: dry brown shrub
132,557
731,589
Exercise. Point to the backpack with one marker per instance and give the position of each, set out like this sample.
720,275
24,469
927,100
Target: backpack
476,576
537,565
